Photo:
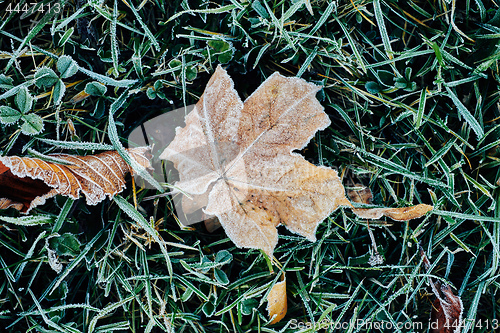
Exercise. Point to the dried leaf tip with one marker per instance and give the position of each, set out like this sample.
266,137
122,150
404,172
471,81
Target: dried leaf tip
27,182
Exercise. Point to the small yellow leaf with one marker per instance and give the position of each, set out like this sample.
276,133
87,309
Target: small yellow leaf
277,304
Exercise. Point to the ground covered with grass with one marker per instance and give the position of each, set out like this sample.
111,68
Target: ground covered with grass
411,88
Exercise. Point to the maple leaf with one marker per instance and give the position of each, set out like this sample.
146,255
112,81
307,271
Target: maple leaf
27,182
236,160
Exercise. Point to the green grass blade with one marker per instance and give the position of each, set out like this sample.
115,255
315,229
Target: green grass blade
473,123
128,209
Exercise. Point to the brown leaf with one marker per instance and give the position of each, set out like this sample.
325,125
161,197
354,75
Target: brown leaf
27,182
236,160
447,309
277,302
397,214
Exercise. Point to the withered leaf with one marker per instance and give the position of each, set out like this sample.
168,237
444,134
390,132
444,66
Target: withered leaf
397,214
447,308
362,194
277,302
236,160
27,182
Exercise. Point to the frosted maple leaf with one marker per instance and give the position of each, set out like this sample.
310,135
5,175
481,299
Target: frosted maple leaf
236,161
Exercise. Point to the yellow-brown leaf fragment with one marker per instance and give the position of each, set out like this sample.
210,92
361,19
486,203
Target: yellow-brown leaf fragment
397,214
277,302
27,182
